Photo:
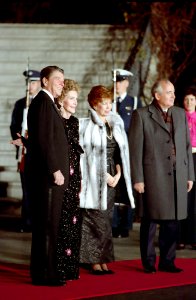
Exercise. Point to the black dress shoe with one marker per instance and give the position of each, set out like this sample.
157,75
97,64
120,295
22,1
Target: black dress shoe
56,283
124,233
51,282
170,269
38,282
26,228
193,247
108,272
115,232
97,272
149,269
180,246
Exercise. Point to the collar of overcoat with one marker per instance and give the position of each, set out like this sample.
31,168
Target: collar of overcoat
156,116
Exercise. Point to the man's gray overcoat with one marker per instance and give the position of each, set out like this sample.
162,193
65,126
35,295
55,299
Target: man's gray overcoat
150,145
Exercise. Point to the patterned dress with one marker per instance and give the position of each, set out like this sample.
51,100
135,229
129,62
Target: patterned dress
70,223
97,243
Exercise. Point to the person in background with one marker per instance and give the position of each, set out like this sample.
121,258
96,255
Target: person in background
187,227
18,125
68,243
162,173
105,160
123,213
48,174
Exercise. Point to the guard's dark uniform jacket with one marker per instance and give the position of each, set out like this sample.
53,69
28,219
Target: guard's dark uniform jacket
125,109
17,119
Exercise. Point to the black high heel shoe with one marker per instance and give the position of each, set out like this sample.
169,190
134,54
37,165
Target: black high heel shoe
108,272
97,272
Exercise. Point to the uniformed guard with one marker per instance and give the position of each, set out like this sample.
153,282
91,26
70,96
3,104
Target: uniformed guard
125,104
19,125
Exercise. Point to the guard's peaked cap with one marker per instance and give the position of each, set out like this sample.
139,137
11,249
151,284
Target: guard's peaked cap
33,75
122,74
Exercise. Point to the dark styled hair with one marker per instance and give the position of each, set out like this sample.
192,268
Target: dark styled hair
190,91
47,71
98,93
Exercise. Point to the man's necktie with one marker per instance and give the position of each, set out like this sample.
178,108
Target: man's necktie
164,113
118,100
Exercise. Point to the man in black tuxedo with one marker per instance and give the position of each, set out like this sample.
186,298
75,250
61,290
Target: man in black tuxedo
48,175
19,125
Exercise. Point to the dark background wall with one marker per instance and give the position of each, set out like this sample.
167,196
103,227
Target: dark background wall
99,12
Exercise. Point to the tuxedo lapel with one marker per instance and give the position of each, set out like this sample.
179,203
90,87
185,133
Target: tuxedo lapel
56,109
58,112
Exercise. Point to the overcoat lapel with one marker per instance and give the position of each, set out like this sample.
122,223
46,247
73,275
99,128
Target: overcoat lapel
176,119
155,115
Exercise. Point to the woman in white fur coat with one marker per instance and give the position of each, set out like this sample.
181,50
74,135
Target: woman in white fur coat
105,160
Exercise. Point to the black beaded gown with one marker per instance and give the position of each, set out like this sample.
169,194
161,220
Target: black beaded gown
70,224
96,241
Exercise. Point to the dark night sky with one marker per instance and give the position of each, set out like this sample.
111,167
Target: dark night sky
67,12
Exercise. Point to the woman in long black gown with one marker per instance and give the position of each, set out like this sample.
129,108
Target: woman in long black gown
70,223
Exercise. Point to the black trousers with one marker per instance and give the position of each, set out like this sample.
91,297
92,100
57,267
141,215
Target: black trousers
187,229
26,204
168,231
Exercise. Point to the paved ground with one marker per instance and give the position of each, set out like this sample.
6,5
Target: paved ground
15,246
